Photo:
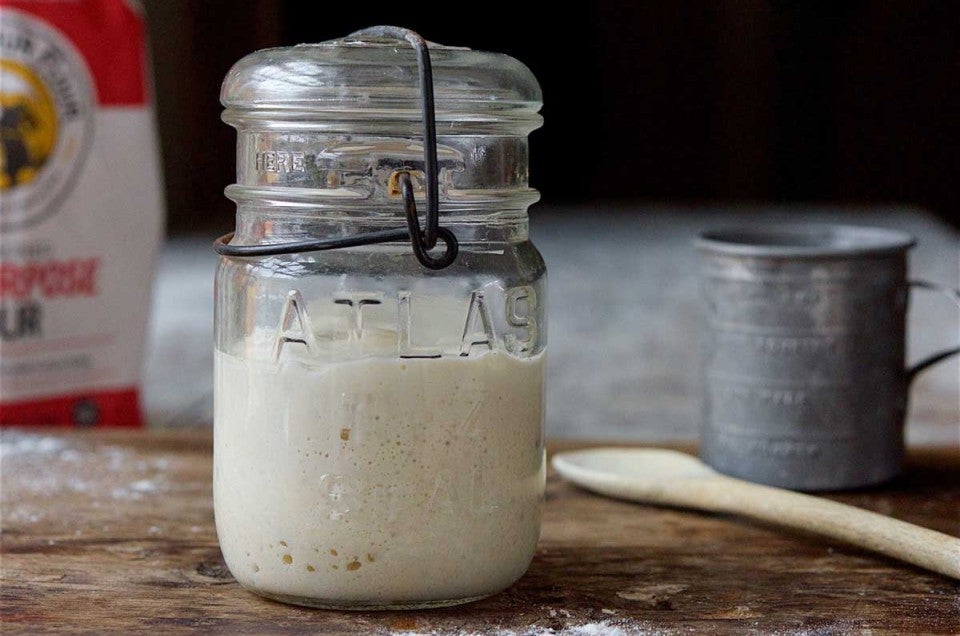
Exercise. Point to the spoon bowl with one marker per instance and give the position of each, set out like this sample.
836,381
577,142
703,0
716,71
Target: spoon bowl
634,464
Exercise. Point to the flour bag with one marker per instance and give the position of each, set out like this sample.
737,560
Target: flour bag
80,211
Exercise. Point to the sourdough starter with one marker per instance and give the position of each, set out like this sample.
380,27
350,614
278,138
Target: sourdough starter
380,480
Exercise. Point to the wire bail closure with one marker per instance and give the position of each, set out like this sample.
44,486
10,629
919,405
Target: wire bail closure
421,241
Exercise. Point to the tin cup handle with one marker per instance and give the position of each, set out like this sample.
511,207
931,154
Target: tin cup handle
953,294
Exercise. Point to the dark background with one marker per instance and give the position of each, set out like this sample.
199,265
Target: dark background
705,102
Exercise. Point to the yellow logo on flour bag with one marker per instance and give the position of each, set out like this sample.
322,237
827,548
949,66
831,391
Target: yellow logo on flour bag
46,119
28,124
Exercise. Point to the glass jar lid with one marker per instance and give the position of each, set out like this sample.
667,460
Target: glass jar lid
372,74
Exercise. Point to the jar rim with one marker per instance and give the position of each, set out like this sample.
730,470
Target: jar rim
813,240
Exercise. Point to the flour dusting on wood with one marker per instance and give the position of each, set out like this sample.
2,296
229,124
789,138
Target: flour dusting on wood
610,627
46,476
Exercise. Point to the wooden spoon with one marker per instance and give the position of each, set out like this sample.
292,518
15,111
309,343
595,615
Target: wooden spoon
671,478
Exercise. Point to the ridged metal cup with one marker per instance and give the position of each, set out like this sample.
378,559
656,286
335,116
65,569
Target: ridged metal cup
803,354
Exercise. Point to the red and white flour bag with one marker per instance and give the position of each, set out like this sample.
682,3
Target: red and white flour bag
80,211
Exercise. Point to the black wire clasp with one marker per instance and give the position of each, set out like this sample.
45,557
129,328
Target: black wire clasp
421,241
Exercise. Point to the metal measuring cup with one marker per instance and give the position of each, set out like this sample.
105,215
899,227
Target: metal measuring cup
803,353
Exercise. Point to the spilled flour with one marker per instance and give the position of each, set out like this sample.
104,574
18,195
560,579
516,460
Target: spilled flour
610,627
14,444
43,474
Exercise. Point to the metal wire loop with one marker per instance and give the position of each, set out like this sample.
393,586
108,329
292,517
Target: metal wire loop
421,241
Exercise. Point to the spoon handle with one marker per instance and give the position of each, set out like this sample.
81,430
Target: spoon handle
898,539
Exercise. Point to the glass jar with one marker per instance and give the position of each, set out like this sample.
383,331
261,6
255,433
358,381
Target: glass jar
378,425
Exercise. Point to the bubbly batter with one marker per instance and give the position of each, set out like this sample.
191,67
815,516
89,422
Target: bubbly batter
379,481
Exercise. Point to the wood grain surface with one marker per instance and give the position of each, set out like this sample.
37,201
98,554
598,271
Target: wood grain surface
113,531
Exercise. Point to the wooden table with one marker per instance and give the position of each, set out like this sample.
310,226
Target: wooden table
114,531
